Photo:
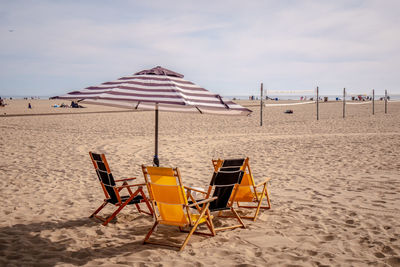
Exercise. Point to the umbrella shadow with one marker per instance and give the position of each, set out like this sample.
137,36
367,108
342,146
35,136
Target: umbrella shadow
22,244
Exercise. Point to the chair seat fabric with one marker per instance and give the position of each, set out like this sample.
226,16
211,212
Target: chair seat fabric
195,217
211,208
135,200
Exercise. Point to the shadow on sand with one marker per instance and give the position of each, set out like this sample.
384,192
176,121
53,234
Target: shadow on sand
22,244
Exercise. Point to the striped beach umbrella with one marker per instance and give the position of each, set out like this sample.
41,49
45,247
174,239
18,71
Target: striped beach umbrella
157,89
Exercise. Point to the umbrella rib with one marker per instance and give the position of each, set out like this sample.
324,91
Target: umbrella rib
222,101
137,105
201,112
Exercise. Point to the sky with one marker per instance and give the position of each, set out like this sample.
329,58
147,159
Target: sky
49,48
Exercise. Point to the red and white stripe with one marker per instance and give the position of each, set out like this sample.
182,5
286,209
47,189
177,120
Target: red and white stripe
148,92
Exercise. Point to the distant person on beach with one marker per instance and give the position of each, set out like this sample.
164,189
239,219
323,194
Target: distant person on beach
74,105
29,105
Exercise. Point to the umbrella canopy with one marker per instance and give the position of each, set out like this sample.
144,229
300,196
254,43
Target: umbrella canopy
157,89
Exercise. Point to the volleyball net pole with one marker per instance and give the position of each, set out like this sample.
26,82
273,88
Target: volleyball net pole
373,101
385,101
261,105
344,103
317,103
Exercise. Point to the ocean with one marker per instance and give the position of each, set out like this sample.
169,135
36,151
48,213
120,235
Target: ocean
298,97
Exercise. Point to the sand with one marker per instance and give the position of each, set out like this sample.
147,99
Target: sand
335,185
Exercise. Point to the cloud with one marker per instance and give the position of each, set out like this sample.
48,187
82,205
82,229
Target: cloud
228,47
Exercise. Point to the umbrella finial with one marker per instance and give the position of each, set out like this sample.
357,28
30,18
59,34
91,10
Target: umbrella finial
160,71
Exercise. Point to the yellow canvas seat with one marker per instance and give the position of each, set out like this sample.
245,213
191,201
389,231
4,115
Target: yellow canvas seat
248,191
171,206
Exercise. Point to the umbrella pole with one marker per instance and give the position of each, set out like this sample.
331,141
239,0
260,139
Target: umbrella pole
156,161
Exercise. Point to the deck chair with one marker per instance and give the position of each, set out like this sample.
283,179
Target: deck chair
171,207
248,191
224,186
112,191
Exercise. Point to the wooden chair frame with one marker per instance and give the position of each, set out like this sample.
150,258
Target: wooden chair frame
231,209
117,189
202,207
258,196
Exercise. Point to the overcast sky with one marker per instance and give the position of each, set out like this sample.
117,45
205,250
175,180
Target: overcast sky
49,48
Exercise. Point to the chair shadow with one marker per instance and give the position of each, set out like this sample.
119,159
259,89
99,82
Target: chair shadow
21,244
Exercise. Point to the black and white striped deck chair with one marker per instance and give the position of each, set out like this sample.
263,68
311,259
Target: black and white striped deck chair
112,190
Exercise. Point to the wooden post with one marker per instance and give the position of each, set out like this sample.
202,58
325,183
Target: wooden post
156,161
261,106
385,101
317,103
373,101
344,103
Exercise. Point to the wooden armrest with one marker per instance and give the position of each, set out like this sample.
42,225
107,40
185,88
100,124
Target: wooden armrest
127,179
262,183
196,190
202,202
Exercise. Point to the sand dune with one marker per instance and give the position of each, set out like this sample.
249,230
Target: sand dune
335,187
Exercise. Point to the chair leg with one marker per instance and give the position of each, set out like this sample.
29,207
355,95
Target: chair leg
210,223
235,215
267,196
264,193
194,227
120,208
129,189
138,208
238,217
150,232
99,209
147,202
258,206
112,216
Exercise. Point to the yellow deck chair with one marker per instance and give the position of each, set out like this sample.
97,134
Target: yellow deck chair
170,204
247,191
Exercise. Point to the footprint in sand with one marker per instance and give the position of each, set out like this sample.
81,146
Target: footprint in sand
352,214
329,238
379,255
388,250
328,255
99,232
312,252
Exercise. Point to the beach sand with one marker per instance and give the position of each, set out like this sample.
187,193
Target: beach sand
335,185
